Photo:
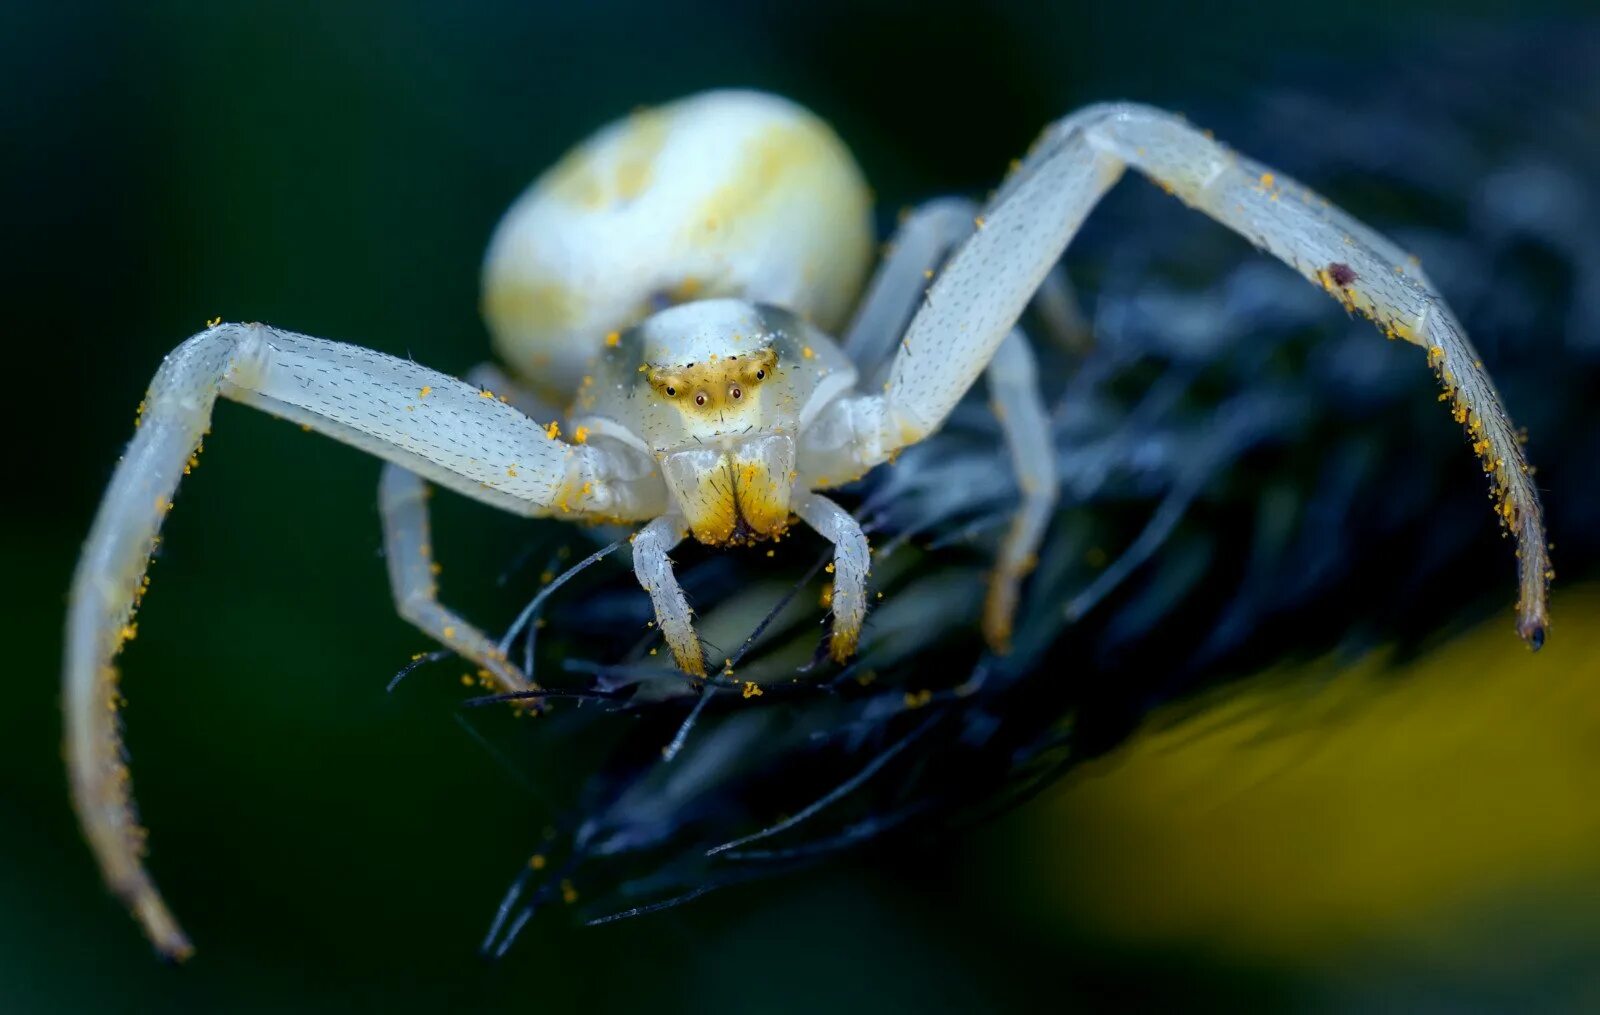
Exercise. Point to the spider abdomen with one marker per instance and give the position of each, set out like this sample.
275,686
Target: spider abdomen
727,193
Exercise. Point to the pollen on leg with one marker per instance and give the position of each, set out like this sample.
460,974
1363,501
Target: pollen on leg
688,656
842,645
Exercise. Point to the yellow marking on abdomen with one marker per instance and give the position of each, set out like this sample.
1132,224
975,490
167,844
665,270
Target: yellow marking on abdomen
530,305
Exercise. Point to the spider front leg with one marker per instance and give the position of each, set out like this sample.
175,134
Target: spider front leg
851,560
1026,227
919,247
653,568
408,550
432,424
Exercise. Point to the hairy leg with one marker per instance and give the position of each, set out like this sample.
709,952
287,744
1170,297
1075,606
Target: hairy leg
975,301
432,424
408,550
918,249
926,236
852,559
1014,391
653,568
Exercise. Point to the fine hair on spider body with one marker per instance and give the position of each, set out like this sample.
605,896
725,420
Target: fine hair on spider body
687,349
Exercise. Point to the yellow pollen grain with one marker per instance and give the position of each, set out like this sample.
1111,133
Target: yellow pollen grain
425,391
553,431
612,338
752,689
581,435
806,352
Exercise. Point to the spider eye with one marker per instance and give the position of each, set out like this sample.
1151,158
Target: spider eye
761,375
736,391
700,399
671,391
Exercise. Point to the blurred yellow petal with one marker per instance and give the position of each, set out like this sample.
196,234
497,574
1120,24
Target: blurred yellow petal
1313,811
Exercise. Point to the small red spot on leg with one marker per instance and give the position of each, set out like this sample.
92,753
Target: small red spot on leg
1341,274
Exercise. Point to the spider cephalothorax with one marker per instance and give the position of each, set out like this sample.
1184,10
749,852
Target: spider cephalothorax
717,393
724,414
734,480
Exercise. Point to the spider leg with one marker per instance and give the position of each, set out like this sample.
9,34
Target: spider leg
920,244
1013,378
851,560
408,551
491,378
919,247
1365,271
653,568
1023,231
432,424
1061,313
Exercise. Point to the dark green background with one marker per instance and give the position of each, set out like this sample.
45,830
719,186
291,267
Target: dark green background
337,168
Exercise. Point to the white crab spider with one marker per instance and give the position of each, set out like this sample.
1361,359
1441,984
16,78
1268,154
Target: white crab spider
723,414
